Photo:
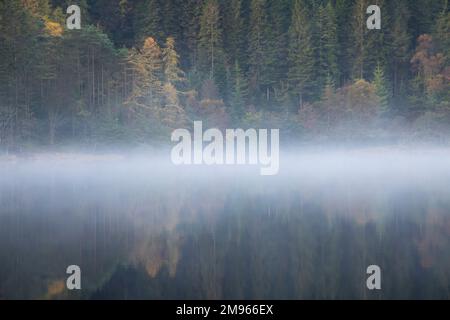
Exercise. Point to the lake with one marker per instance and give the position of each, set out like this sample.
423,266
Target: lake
141,228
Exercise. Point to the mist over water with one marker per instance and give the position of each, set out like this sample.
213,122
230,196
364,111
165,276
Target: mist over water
140,227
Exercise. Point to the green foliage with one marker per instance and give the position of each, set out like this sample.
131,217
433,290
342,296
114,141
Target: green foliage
147,21
379,82
258,47
301,53
239,93
327,45
210,38
258,58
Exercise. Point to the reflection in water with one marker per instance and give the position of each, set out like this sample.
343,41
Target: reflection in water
142,228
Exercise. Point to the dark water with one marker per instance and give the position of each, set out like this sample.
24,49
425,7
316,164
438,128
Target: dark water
140,228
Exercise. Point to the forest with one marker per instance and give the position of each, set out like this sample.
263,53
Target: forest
138,69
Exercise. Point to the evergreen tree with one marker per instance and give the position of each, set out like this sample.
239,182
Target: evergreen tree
358,41
147,21
260,52
189,17
257,47
114,17
210,38
400,48
442,32
343,9
235,35
326,46
170,13
368,47
20,30
239,93
381,91
275,62
301,54
424,14
378,46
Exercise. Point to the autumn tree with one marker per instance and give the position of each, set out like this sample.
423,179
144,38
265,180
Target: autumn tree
173,75
146,67
429,68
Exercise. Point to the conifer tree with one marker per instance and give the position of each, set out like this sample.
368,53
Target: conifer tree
358,39
257,46
275,51
400,47
239,92
210,38
326,46
301,54
171,60
442,31
188,43
343,10
381,91
147,21
173,75
235,26
368,47
146,68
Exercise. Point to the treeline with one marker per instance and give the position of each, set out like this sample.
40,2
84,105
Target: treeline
139,68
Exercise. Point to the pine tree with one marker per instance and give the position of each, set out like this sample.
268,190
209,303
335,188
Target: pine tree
210,38
235,26
329,103
400,48
326,47
19,31
113,15
169,18
275,52
147,21
377,41
368,47
381,91
257,46
239,93
442,32
188,43
424,14
301,54
343,9
358,39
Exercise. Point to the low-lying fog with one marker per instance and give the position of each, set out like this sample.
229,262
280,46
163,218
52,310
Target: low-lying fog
141,227
310,162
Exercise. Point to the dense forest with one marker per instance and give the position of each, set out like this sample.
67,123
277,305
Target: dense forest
137,69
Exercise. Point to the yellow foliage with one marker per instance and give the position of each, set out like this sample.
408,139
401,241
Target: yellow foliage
53,28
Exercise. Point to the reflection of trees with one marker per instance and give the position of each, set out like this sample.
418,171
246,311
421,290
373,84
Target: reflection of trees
258,248
171,238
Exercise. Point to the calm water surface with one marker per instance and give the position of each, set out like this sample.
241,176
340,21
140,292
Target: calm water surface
141,228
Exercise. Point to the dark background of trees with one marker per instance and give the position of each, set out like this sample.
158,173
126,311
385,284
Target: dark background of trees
139,68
